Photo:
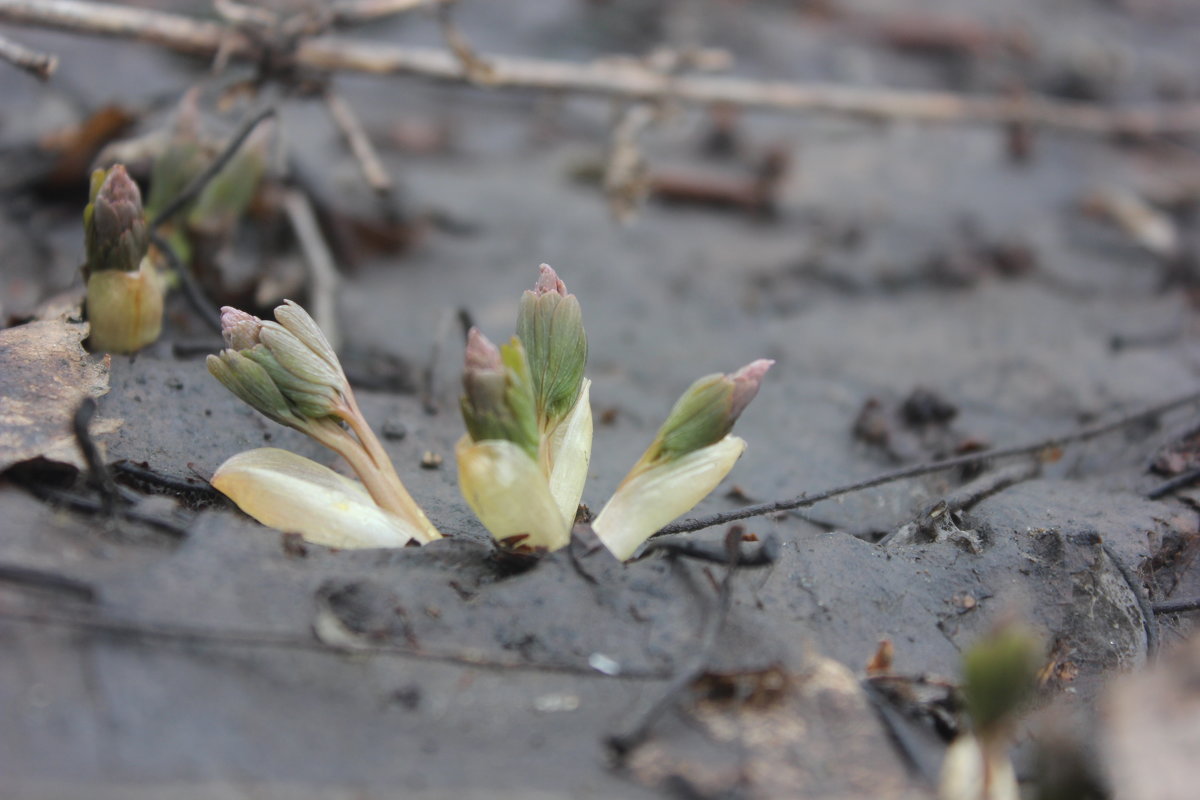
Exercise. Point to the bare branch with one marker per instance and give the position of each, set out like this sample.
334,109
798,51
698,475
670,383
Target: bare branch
476,69
202,38
321,267
1035,448
40,65
359,143
354,12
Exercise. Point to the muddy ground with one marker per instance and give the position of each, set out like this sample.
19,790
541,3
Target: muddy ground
922,292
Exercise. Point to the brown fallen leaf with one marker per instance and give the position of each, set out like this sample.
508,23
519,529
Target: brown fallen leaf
44,375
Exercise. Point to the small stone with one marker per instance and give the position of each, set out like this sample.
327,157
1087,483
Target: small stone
394,430
430,460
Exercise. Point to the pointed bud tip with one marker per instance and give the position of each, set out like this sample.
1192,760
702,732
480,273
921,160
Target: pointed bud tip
239,329
116,186
745,384
548,281
481,353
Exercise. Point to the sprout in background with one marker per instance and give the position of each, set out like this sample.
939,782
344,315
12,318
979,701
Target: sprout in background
124,290
999,678
287,371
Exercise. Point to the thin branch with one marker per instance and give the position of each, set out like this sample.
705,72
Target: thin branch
1176,606
805,500
322,269
356,12
202,38
191,287
764,555
1178,482
359,143
180,201
137,630
100,477
40,65
476,69
197,492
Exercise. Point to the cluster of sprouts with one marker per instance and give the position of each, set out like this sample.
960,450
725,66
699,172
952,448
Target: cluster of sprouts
522,464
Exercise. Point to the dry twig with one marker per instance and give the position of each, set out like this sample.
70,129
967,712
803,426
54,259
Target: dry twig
40,65
356,12
628,80
359,143
1051,443
321,266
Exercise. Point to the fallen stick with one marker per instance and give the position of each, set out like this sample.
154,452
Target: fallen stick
40,65
624,79
1032,449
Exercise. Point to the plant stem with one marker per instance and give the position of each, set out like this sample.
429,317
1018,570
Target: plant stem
374,470
374,451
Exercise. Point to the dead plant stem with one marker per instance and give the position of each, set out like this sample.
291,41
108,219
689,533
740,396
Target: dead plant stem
805,500
608,78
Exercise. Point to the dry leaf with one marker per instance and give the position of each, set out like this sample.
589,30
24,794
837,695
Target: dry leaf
44,375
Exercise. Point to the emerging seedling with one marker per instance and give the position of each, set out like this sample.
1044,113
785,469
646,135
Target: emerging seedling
692,453
287,371
124,290
999,678
524,460
209,220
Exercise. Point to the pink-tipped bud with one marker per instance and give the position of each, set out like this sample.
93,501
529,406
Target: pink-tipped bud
745,385
239,329
481,354
548,281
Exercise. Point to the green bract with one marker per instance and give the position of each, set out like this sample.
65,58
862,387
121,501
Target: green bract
550,325
498,402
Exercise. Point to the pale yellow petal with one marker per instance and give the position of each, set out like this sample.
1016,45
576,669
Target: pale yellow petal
125,309
966,776
508,492
291,493
648,500
570,450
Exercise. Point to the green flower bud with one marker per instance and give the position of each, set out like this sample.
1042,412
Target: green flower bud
309,399
692,453
294,356
253,385
114,224
706,412
1000,675
498,401
550,326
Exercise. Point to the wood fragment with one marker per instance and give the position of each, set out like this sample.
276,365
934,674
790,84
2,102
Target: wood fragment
322,269
373,171
40,65
203,38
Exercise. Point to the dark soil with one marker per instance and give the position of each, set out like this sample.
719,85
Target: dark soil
922,293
